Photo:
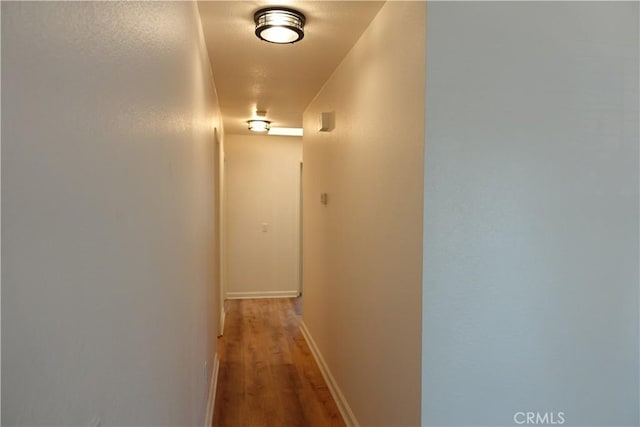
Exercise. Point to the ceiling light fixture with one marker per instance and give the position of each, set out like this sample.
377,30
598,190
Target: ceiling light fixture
259,125
279,25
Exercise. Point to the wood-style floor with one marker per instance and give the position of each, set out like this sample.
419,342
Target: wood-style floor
268,376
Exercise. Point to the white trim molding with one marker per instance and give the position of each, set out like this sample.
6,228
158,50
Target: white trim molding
213,387
265,294
347,414
223,317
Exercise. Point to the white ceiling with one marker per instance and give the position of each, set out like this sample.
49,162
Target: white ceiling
252,74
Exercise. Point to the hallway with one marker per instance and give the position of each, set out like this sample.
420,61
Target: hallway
268,376
453,185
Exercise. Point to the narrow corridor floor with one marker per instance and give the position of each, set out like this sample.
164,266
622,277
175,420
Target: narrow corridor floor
268,376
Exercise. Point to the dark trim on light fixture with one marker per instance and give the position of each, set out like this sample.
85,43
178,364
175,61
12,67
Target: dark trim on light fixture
290,22
259,125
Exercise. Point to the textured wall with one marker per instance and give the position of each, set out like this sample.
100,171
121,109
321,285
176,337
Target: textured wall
108,177
531,213
262,187
363,250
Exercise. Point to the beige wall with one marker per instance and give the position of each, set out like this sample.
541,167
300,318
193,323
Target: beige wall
363,251
108,223
262,179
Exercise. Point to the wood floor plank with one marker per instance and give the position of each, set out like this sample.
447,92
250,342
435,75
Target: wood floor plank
268,376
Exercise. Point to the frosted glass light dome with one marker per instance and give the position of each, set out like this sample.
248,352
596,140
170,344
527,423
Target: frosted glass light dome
258,125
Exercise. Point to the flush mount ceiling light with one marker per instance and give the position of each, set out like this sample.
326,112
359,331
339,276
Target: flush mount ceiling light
259,125
279,25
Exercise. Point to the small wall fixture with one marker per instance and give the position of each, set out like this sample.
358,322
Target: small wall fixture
258,125
326,122
279,25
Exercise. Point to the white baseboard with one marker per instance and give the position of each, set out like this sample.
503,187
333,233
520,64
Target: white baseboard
223,317
266,294
347,415
213,387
